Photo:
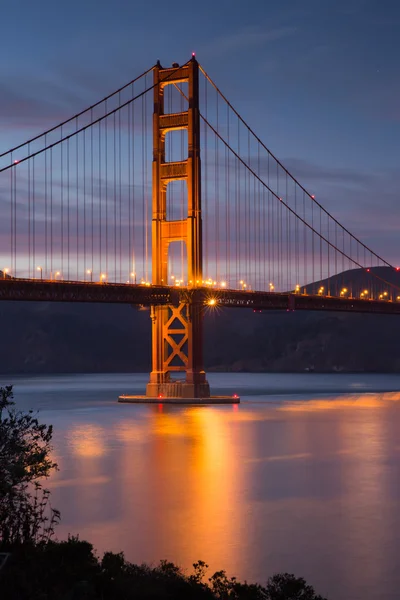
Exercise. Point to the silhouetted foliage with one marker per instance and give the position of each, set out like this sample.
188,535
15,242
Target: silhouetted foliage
284,585
70,570
25,445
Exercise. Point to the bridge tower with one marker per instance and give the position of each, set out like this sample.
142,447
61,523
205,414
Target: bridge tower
177,336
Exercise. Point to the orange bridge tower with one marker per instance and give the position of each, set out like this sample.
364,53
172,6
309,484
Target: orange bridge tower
177,336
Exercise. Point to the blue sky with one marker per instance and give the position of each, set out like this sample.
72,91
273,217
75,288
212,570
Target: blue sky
318,80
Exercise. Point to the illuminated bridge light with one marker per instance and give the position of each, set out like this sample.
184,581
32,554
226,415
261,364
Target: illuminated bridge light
212,302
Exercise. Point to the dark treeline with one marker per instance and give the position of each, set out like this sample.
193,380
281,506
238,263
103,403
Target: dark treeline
71,571
80,338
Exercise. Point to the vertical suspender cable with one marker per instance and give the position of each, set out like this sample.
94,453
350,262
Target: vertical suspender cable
143,197
91,194
100,205
120,186
257,283
84,206
45,209
227,205
68,208
33,215
11,222
77,202
146,183
106,194
296,239
238,207
279,227
305,240
206,179
288,244
216,192
51,212
115,193
31,270
133,256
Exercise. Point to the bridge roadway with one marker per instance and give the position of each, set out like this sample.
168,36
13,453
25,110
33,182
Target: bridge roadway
142,295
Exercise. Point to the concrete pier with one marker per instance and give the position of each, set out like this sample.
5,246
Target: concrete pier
186,401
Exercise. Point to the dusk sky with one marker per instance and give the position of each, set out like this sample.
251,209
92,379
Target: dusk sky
318,81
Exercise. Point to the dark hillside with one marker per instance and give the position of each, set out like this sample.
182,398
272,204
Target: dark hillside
56,338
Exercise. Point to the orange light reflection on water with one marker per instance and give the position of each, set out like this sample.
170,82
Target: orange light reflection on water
87,440
218,483
368,400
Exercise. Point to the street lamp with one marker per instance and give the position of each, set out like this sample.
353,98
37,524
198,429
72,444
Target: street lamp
41,271
90,272
134,277
5,271
102,277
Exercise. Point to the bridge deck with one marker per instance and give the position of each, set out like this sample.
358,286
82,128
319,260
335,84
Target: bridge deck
79,291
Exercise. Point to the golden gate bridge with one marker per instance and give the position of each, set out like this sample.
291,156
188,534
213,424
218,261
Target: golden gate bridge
162,195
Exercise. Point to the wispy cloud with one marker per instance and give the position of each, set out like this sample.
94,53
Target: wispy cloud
247,39
307,171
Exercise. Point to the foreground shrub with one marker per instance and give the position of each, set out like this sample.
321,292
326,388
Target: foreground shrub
25,446
70,570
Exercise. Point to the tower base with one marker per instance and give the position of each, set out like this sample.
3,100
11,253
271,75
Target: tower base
178,389
179,392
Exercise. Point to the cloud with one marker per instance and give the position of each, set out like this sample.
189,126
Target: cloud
306,171
247,38
24,109
40,103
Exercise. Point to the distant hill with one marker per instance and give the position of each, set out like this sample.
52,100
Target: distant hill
59,338
377,280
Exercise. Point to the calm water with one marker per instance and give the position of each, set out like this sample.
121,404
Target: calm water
303,476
